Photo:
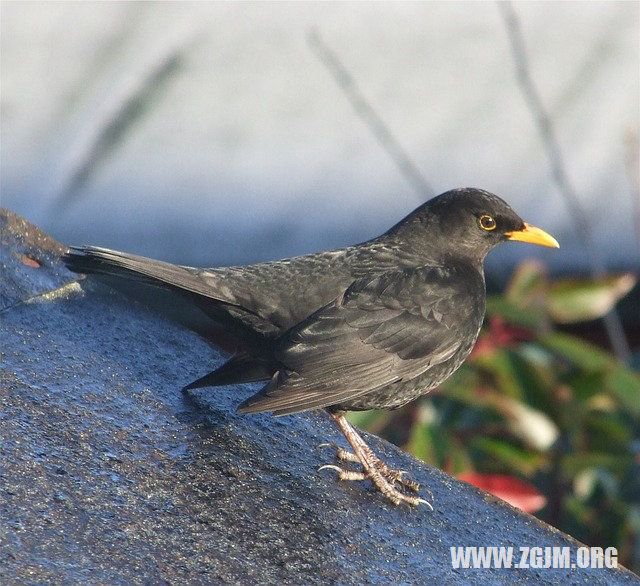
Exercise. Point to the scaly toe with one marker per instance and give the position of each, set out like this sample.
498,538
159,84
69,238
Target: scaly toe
344,474
410,484
397,497
341,453
396,476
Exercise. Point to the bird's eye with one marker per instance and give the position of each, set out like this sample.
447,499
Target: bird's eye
487,222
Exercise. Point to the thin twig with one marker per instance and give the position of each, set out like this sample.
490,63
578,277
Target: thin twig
369,116
109,127
632,163
612,322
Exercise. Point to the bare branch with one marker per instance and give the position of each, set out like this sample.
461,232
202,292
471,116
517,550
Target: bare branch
612,321
369,116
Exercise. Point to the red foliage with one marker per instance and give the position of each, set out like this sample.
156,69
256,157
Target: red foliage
500,335
509,488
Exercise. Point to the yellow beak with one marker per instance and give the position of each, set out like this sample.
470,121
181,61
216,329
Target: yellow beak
533,235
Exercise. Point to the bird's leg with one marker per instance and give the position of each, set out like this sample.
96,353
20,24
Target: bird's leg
380,474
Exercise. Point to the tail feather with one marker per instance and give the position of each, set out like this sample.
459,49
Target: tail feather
207,289
240,368
103,261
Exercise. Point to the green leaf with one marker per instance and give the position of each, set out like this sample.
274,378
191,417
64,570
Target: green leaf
502,455
581,353
513,313
502,366
528,284
462,385
587,384
524,301
458,459
625,385
373,420
620,381
575,300
607,432
421,443
574,463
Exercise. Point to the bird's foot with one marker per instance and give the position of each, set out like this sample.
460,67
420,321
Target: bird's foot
385,479
390,475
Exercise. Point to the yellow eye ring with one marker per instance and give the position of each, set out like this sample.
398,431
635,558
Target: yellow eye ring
487,222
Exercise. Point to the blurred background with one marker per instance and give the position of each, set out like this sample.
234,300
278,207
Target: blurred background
232,133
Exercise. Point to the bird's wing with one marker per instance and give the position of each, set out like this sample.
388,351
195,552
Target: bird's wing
384,329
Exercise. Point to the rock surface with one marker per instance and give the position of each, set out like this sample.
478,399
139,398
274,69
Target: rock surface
109,475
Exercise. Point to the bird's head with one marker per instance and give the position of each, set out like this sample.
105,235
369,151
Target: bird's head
469,222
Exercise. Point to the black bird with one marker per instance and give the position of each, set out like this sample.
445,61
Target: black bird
369,326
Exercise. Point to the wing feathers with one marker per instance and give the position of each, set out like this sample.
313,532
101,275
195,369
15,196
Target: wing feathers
391,327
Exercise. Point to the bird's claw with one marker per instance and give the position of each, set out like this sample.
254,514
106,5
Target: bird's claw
344,474
424,502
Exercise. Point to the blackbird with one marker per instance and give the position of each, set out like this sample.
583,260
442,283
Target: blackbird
369,326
